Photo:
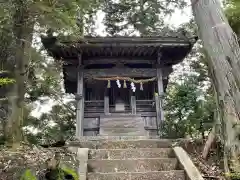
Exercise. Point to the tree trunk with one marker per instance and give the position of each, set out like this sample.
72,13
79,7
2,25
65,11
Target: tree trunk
222,47
22,30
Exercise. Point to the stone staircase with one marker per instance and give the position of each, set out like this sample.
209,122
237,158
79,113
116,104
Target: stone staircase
129,158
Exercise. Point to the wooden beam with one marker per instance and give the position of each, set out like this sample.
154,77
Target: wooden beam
117,60
98,114
80,101
70,61
71,72
109,61
124,72
133,45
142,39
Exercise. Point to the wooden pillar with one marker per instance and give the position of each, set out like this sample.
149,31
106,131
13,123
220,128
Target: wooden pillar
80,100
159,98
160,91
133,105
106,104
158,112
106,101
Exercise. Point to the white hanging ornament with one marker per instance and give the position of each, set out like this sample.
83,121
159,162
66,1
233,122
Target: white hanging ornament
141,86
118,84
133,87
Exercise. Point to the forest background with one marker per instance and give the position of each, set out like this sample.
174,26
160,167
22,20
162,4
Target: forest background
34,107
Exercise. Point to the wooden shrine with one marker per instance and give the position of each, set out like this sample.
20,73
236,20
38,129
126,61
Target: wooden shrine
119,82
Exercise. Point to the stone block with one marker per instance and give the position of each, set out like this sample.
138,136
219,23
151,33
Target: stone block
119,107
186,163
123,144
132,165
116,138
82,156
130,153
161,175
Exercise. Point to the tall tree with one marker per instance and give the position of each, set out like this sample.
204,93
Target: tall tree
223,50
26,18
141,16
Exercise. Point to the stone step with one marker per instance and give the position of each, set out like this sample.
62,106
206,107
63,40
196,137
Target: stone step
122,144
130,153
124,131
157,175
132,165
116,138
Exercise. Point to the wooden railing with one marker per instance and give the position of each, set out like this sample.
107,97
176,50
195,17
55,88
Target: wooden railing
94,106
135,107
145,106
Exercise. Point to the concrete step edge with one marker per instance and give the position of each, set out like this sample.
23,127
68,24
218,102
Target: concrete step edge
136,149
113,137
130,153
133,159
170,150
123,144
112,173
130,165
127,140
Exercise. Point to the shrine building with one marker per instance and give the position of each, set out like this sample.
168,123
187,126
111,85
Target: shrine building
119,82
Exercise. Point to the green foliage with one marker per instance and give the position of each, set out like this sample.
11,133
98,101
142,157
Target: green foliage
43,78
233,176
190,105
59,174
28,175
185,114
70,171
58,124
143,16
233,14
62,172
5,81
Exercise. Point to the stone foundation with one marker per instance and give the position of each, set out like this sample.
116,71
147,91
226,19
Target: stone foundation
122,125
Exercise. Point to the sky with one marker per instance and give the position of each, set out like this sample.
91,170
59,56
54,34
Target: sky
178,18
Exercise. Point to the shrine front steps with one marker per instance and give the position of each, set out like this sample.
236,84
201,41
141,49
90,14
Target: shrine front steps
132,165
130,153
129,159
157,175
116,143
